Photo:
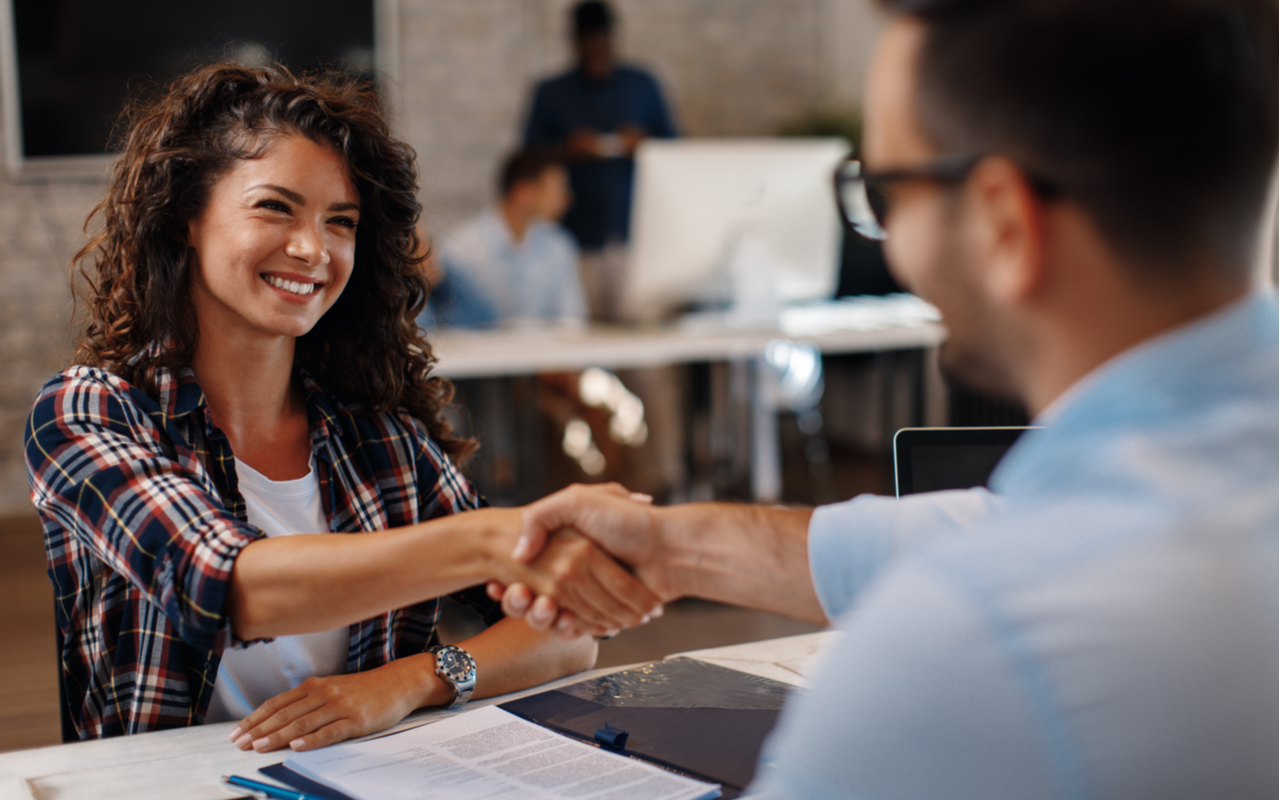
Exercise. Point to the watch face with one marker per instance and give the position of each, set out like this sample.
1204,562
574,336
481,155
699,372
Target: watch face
454,663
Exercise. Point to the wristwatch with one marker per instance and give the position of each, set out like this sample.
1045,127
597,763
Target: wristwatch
458,669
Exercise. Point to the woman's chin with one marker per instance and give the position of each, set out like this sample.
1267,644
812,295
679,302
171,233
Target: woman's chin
292,327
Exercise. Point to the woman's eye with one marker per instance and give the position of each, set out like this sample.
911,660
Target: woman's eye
346,222
274,205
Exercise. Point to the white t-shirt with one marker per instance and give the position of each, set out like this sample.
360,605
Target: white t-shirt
249,676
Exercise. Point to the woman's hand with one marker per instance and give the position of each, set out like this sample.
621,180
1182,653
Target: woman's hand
322,711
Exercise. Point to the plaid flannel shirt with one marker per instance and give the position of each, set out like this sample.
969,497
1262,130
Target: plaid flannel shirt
143,522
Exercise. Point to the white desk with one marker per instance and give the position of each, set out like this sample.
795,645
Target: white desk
486,354
853,325
188,763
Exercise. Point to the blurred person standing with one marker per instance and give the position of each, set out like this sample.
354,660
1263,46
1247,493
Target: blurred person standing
594,116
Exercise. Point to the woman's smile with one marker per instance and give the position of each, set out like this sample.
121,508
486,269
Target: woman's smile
295,287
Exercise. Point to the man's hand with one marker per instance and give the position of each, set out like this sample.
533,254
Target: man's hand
630,137
322,711
582,144
569,572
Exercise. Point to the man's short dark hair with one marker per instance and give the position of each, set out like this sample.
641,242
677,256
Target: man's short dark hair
1158,117
523,166
590,17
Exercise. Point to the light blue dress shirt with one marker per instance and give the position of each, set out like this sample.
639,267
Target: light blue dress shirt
1103,626
496,280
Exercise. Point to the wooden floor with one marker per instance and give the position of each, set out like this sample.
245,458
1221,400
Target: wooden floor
28,670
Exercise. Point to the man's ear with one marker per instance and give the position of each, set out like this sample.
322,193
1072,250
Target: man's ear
1007,227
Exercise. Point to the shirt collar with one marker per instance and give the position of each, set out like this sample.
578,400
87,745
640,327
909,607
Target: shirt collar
179,393
1181,373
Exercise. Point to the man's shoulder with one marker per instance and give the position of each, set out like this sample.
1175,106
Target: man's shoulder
559,82
1136,546
553,237
475,225
635,73
472,238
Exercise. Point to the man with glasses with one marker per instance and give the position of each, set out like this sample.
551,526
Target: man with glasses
1078,186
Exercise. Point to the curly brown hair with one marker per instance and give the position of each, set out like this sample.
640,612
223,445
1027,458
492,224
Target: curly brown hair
368,348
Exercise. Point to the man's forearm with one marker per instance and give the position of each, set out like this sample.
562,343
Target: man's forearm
746,555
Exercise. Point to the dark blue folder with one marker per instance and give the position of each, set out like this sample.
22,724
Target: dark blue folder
691,717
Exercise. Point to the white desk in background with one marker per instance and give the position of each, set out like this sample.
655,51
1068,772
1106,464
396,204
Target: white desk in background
850,325
188,763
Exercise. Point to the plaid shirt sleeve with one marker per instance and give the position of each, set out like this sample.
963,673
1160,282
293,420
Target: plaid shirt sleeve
451,494
109,480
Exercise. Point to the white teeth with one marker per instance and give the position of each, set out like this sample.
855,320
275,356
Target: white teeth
293,287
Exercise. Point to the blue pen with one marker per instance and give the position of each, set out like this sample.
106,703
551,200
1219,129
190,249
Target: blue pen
267,790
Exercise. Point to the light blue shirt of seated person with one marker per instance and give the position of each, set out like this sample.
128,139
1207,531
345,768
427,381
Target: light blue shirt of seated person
1103,626
490,279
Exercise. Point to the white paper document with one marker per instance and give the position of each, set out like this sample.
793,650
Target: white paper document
489,753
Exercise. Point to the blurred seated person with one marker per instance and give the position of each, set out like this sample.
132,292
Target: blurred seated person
512,264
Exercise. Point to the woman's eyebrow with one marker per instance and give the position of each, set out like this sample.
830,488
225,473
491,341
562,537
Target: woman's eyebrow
289,194
294,197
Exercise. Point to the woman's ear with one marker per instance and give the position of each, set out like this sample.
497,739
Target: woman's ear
1007,224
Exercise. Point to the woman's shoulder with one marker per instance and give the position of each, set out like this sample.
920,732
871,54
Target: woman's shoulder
87,398
78,385
80,375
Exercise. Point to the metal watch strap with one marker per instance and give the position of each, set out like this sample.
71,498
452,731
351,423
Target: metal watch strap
458,669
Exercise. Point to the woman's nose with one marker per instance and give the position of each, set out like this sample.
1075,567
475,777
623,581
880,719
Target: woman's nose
307,244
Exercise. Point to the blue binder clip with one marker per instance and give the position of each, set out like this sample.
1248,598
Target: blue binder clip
610,736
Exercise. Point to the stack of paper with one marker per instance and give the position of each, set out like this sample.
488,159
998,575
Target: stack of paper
489,753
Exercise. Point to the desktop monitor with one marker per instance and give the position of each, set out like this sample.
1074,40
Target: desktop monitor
732,222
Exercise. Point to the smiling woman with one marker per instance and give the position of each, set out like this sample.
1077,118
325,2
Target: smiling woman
250,370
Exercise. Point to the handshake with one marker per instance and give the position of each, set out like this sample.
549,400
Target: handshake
600,559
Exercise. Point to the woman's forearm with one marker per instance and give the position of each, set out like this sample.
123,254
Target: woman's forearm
511,656
303,584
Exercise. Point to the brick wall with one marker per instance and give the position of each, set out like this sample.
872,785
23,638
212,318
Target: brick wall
729,67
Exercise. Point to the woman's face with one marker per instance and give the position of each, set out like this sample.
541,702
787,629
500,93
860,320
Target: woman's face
274,247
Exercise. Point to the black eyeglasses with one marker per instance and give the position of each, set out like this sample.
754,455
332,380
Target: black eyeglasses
863,197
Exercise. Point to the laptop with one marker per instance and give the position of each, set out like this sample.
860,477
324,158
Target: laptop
933,459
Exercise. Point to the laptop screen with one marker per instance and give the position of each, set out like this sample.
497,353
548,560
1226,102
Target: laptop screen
933,459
